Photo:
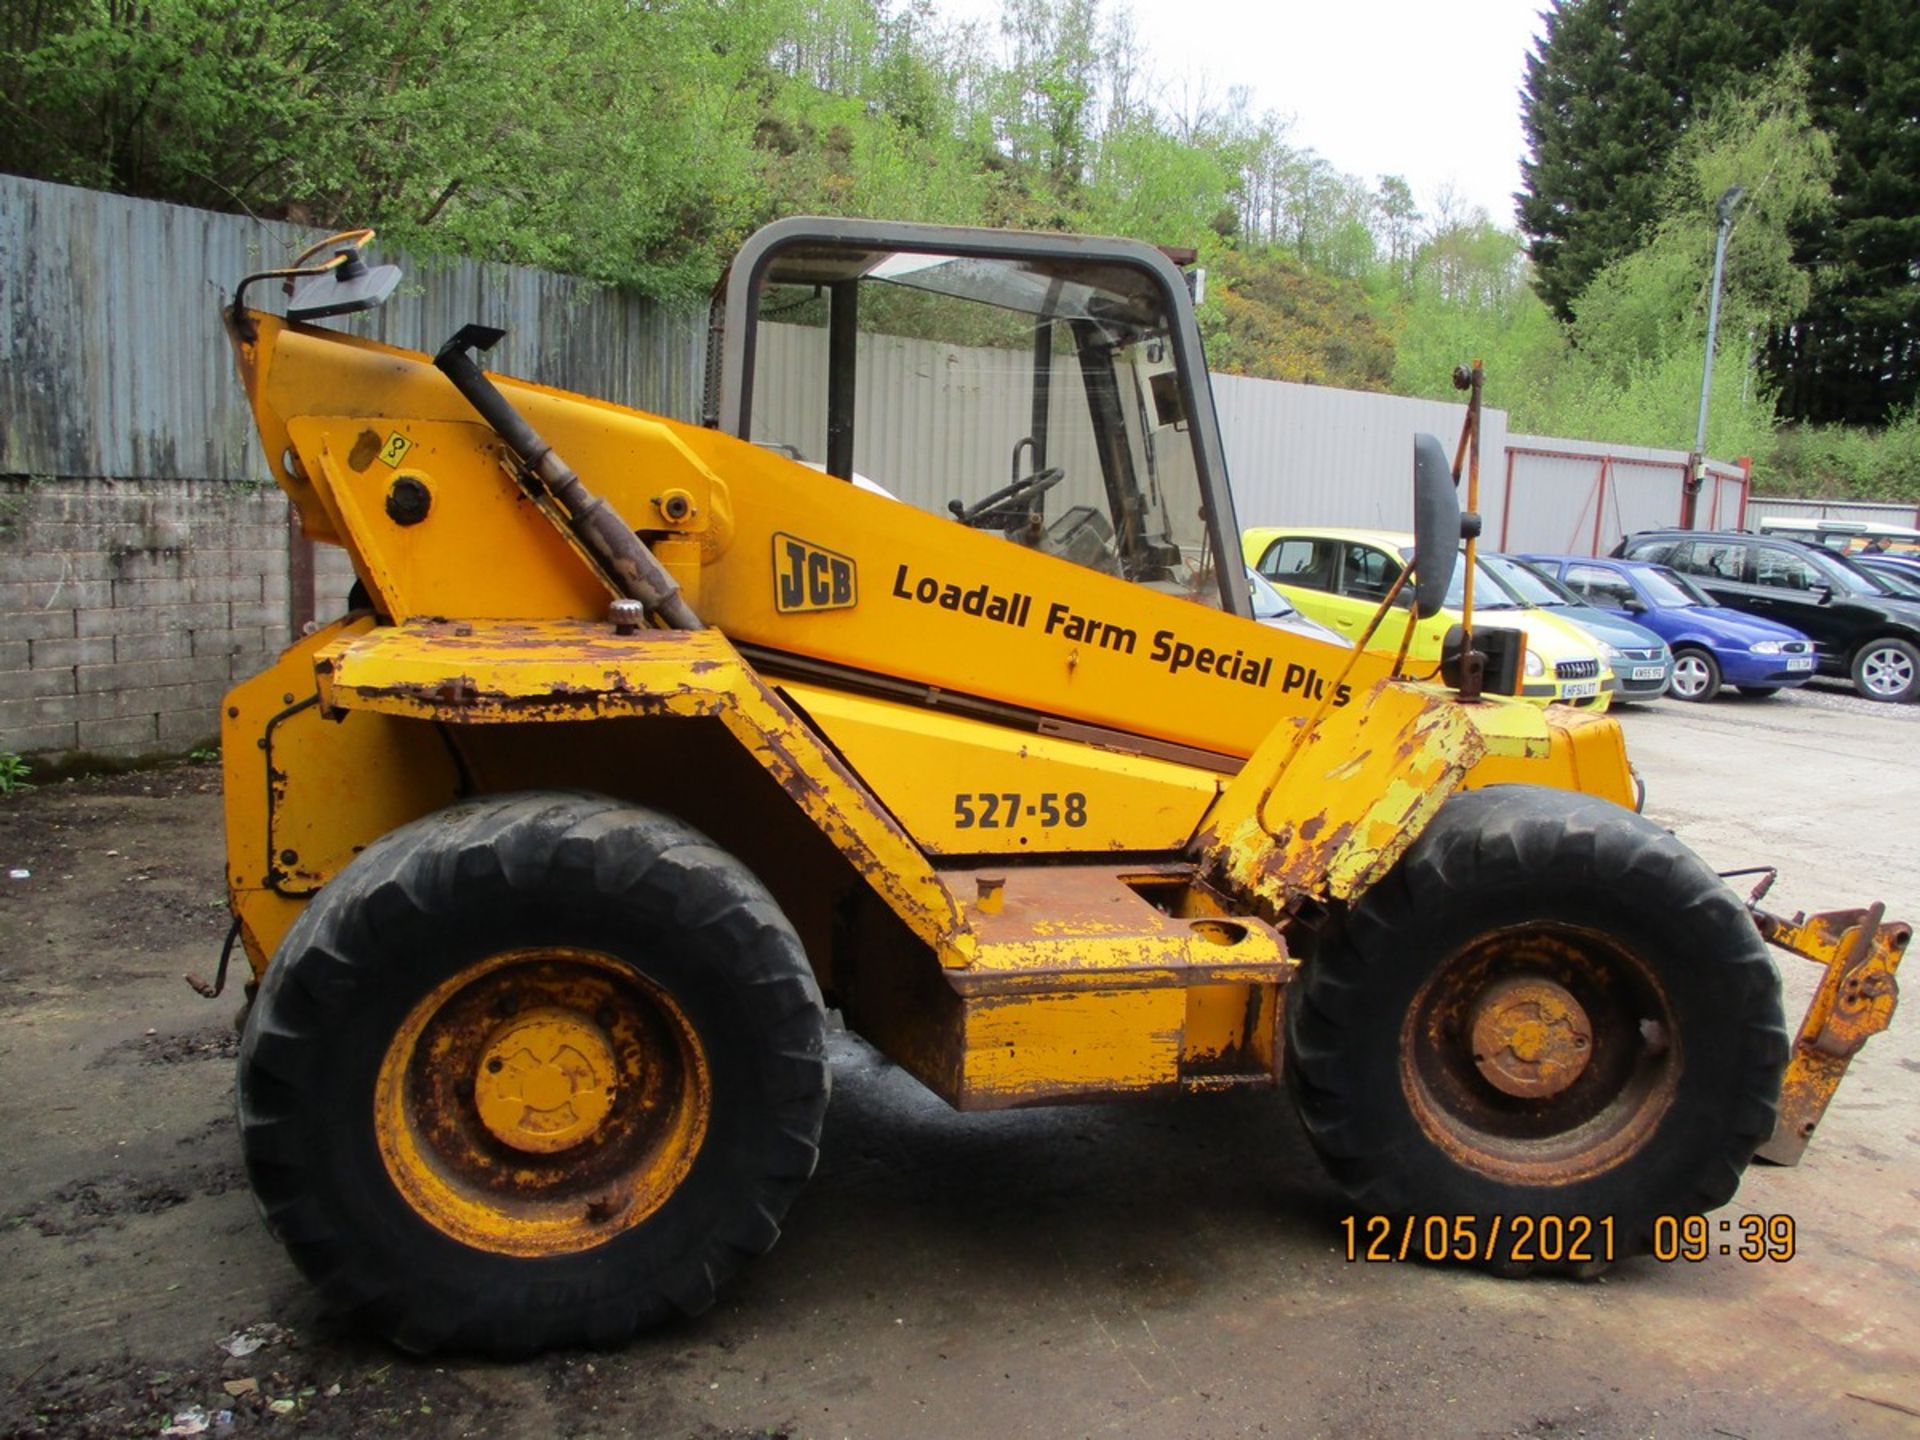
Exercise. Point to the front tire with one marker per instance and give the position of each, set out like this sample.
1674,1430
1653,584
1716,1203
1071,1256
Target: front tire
1887,670
533,1071
1550,1007
1696,676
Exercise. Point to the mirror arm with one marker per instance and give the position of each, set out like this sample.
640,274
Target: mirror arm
1473,666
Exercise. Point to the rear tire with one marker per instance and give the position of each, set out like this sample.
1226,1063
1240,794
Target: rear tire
533,1071
1549,1008
1887,670
1696,675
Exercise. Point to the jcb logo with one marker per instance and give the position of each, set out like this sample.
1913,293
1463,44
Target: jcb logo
805,577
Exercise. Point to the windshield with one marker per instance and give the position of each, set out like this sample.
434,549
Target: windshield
1846,577
1527,583
1268,603
1670,590
1037,400
1894,584
1489,593
1868,582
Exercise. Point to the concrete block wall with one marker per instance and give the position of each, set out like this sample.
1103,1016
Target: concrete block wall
128,608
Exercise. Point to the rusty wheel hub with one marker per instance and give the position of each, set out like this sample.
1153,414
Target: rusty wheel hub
546,1080
1540,1053
541,1101
1531,1038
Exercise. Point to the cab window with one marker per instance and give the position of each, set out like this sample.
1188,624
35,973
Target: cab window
1036,401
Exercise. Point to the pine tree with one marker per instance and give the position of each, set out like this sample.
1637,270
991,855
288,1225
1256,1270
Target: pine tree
1854,355
1615,83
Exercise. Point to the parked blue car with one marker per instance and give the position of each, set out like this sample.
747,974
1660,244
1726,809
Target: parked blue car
1642,664
1712,645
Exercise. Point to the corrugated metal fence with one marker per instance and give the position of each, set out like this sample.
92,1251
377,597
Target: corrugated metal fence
113,362
1310,455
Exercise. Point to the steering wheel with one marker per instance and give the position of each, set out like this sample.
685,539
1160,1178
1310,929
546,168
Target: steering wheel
1009,502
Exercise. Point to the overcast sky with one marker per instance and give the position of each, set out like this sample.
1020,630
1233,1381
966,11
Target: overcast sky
1417,88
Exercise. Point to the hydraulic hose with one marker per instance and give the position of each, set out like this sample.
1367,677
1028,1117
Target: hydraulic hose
607,537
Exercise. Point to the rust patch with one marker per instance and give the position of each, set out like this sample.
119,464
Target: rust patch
366,446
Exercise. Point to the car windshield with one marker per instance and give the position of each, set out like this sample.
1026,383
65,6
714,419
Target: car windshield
1843,575
1895,584
1268,603
1670,590
1529,584
1489,593
1868,582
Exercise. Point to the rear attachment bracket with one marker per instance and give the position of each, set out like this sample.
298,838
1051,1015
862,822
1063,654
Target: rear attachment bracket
1855,1002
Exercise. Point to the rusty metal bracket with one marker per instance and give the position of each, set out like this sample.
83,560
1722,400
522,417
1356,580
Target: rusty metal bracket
1855,1002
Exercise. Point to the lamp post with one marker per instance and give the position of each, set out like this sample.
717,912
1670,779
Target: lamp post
1724,211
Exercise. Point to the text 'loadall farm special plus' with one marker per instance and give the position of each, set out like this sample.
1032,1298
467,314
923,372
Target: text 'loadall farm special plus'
923,682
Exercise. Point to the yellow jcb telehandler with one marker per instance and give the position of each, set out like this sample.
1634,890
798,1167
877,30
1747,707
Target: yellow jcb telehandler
922,682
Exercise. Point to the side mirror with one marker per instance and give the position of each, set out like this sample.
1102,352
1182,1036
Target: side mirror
346,289
1436,526
1822,594
1634,605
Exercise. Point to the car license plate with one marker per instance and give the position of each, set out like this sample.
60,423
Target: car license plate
1580,689
1800,662
1648,672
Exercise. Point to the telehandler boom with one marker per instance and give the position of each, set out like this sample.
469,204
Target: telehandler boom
923,683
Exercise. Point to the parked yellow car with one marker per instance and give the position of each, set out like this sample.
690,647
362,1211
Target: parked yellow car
1339,577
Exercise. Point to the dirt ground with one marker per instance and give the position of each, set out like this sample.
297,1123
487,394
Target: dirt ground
1164,1270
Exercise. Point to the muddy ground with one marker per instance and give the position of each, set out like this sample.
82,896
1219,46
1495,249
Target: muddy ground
1165,1270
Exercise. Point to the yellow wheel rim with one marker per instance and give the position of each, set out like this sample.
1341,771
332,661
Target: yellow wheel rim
541,1102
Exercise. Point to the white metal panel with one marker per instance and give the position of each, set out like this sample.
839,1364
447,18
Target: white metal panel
1582,496
1872,511
932,422
112,363
1314,455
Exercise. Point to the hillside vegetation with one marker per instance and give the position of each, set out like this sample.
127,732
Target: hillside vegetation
638,142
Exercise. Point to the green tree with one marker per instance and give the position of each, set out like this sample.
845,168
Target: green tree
1615,84
598,137
1653,300
1398,220
1608,89
1853,355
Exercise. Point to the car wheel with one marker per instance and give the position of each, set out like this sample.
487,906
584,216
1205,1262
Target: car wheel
1696,675
1887,670
1550,1014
